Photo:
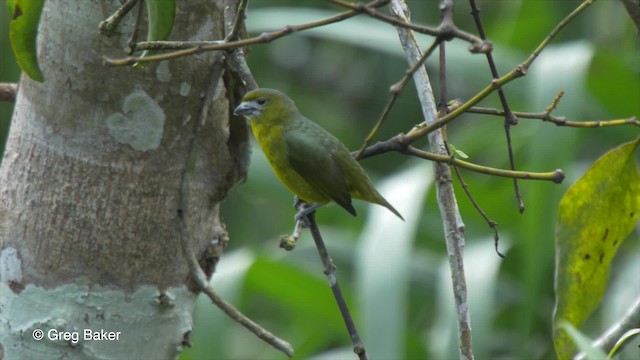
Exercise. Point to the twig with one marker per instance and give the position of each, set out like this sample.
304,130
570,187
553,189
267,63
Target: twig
235,58
136,29
452,221
492,224
446,32
261,39
446,16
108,27
395,91
173,45
556,176
399,144
329,271
239,18
8,92
518,71
196,272
609,338
559,121
234,313
509,118
525,65
288,242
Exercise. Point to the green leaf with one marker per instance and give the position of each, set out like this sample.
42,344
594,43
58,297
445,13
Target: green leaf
595,215
457,153
161,14
23,30
582,342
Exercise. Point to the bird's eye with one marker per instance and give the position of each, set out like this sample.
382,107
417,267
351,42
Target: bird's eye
261,101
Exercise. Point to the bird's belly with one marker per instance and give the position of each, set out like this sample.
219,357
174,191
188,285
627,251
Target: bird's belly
299,186
276,153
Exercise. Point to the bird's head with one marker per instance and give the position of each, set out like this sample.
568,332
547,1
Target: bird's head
266,105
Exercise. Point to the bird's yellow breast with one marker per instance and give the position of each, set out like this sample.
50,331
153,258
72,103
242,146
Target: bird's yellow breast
272,141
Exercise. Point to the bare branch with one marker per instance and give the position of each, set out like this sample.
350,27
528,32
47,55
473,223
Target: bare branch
442,32
196,272
610,337
452,221
560,121
330,273
108,27
261,39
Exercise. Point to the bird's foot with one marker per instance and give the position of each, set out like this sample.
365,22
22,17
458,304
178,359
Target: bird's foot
304,212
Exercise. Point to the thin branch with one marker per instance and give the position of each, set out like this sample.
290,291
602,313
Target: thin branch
288,242
446,16
196,272
525,65
174,45
447,33
610,337
556,176
8,92
235,58
452,221
509,118
234,313
559,121
399,144
108,27
520,70
395,91
131,43
237,23
329,271
263,38
421,130
492,224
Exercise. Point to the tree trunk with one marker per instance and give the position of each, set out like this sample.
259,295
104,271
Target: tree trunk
90,184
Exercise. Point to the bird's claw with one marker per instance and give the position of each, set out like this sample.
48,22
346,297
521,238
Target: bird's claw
303,215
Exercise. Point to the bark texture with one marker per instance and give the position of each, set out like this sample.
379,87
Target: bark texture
90,179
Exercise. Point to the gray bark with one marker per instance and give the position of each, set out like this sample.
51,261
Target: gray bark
89,189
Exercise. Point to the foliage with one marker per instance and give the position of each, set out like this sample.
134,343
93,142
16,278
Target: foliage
595,216
23,30
339,75
161,15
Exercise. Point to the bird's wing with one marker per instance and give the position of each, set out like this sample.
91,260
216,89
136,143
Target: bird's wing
311,155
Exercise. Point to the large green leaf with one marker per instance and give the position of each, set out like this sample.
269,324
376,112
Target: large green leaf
23,30
595,215
161,14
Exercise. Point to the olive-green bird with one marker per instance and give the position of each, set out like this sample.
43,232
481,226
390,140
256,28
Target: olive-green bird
309,161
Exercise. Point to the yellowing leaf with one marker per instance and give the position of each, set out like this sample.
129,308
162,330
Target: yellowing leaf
23,30
595,215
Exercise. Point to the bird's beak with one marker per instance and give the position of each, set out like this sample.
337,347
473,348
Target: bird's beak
246,109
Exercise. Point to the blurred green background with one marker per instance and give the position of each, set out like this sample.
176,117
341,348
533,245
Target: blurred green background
395,275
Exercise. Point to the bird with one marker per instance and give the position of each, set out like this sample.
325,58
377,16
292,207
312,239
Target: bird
311,162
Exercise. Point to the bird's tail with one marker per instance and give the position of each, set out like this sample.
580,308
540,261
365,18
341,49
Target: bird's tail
382,201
